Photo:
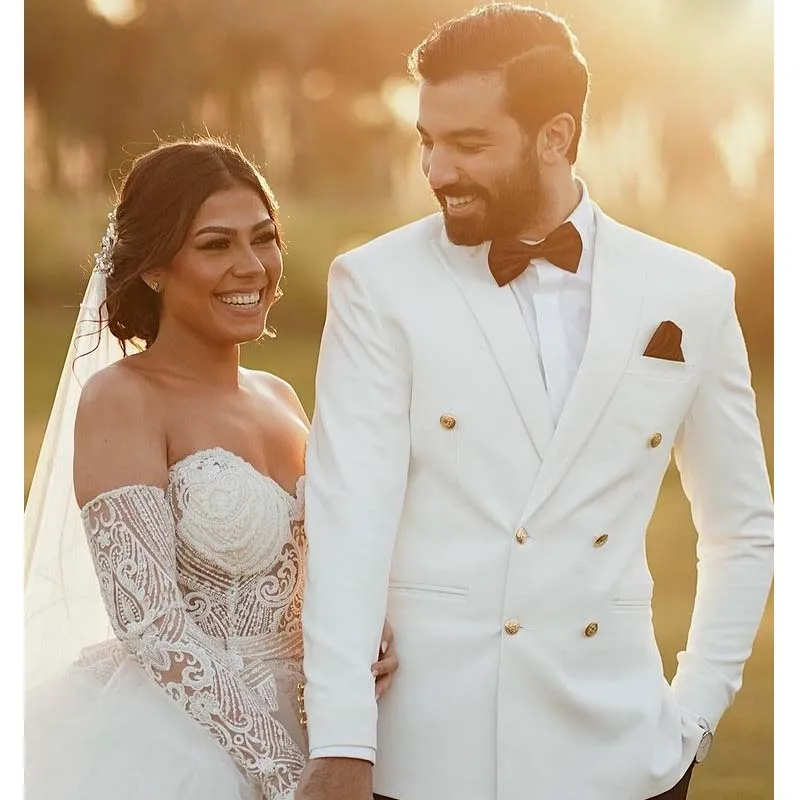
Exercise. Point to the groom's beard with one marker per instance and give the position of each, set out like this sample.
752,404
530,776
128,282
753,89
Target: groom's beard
504,209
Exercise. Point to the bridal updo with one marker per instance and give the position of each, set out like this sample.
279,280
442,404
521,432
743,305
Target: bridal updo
158,200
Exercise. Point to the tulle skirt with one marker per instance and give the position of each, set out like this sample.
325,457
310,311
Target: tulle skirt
108,732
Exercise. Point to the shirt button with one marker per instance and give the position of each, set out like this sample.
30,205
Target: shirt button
521,535
601,540
655,440
590,630
447,421
512,627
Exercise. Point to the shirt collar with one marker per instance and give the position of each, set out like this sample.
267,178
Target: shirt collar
582,217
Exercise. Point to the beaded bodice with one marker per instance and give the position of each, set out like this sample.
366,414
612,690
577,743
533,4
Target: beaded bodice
239,552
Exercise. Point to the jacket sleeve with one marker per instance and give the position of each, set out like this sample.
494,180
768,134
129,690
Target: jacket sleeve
357,470
720,456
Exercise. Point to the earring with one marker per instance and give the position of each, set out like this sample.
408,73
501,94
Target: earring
155,286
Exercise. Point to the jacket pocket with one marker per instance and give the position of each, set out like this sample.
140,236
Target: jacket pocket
429,590
630,603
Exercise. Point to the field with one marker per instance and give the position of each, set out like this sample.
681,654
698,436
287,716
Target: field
740,766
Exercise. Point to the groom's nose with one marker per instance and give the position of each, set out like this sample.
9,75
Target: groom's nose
440,169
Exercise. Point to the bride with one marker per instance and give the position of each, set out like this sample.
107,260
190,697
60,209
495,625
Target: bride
188,475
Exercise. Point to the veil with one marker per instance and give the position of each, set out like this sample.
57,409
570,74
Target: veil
64,610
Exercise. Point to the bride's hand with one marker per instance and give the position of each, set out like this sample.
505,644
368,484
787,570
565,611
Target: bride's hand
386,665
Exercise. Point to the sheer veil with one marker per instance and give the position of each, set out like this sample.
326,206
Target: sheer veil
64,610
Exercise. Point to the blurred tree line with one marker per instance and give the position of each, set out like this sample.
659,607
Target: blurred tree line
304,86
187,65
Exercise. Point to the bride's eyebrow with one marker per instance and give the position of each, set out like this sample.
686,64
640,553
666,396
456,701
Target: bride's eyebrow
232,231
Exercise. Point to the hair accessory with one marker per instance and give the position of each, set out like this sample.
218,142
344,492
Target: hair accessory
103,260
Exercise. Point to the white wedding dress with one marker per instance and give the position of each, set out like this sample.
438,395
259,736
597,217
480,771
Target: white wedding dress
197,696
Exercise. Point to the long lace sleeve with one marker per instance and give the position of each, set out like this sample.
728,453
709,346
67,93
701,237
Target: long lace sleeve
131,535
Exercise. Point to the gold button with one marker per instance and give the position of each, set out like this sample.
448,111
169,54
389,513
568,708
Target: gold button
521,535
511,627
590,630
446,421
655,440
601,540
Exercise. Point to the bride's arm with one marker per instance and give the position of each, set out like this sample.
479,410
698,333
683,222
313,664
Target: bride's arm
131,535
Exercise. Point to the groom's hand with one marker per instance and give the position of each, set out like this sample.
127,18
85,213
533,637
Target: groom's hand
336,779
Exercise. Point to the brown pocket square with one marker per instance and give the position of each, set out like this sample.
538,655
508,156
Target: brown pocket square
666,342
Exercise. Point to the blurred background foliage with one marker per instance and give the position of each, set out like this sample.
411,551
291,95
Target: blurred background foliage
679,144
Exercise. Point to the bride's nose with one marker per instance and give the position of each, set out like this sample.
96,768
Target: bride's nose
247,262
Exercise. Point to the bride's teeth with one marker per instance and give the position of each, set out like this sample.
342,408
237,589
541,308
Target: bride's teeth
241,299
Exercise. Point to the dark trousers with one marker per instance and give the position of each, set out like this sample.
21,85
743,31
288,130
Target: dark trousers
678,792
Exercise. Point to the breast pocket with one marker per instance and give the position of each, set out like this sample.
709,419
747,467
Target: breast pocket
660,369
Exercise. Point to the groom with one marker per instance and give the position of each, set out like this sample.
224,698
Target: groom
501,386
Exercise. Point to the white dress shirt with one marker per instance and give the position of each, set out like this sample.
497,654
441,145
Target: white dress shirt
555,305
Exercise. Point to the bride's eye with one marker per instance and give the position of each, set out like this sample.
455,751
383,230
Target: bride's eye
265,238
215,244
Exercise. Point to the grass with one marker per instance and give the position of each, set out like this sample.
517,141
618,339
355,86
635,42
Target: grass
740,764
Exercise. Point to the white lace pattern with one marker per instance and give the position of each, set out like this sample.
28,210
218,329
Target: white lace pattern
203,586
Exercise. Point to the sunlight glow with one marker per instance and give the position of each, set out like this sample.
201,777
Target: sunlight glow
742,139
118,12
400,96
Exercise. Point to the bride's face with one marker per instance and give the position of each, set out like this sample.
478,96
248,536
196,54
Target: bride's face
223,280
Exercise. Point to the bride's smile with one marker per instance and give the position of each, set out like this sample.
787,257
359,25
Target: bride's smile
225,277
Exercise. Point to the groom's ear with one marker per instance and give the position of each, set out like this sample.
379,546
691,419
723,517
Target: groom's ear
555,138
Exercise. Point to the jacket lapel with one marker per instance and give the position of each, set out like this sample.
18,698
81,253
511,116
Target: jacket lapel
496,312
617,294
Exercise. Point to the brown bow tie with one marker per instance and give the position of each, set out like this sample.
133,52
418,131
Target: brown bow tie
509,258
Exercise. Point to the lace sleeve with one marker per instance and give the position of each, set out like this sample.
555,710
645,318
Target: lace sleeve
131,536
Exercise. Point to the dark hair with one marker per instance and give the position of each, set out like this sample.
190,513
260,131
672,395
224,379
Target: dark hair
159,198
535,51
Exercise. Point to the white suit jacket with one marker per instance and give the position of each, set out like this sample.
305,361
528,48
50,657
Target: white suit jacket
508,555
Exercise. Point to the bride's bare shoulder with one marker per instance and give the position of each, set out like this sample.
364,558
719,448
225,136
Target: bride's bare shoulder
121,383
120,437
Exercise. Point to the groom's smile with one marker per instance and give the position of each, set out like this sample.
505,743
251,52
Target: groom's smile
480,165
